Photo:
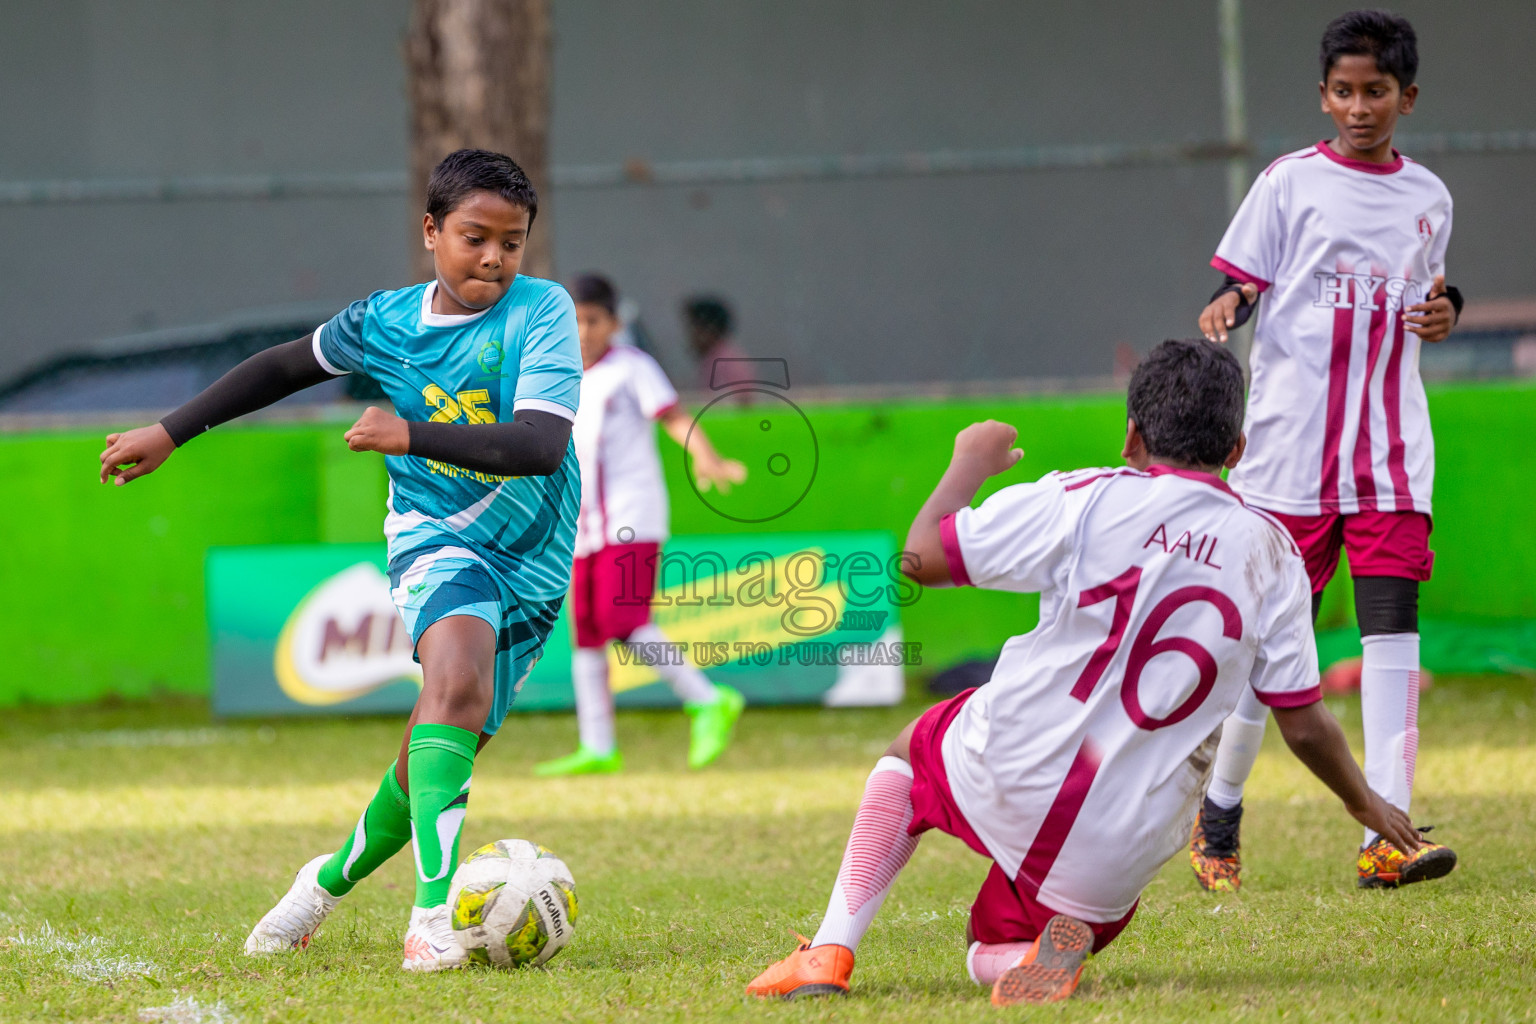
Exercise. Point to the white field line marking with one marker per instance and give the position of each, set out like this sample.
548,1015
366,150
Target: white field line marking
85,957
140,738
769,794
186,1010
108,968
48,939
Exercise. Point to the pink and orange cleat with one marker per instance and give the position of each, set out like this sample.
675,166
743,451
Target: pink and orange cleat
1049,970
808,971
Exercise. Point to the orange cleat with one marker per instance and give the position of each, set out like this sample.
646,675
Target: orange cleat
1048,971
1383,866
808,971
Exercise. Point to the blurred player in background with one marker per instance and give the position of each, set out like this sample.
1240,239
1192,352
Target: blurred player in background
483,367
622,526
1349,238
721,361
1078,768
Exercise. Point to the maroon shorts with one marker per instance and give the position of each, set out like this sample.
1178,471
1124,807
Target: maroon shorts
611,592
1378,543
1001,913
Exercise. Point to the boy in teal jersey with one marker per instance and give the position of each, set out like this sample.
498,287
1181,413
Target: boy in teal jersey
483,367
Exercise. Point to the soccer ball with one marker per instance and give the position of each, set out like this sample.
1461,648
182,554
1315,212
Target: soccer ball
513,904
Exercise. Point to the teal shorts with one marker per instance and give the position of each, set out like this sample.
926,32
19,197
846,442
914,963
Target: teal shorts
435,583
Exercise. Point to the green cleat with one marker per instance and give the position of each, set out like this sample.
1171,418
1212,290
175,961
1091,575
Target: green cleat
585,761
710,733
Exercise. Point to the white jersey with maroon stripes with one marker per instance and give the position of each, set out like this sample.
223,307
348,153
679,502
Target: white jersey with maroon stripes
623,494
1337,418
1163,599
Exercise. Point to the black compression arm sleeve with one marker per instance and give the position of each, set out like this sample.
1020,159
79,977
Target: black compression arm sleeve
264,378
1244,308
533,444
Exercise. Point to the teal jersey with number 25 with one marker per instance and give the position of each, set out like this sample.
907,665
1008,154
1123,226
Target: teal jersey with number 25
522,353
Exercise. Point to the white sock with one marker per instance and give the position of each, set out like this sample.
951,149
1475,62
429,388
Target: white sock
1241,738
1389,705
690,685
877,851
594,701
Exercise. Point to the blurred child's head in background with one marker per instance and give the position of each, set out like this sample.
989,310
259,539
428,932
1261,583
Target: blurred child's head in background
597,315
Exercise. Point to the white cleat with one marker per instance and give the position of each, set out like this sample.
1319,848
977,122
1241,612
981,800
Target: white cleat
297,917
430,944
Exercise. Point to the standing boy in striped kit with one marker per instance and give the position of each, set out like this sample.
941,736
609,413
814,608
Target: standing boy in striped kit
1348,238
619,532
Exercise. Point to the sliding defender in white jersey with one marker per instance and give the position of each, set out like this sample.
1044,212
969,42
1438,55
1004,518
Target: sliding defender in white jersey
1079,766
1347,239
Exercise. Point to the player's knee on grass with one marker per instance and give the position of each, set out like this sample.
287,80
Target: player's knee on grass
1386,604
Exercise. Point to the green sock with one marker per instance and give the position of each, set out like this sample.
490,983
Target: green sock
441,759
383,829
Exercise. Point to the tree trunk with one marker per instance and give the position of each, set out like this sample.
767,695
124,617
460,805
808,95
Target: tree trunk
479,78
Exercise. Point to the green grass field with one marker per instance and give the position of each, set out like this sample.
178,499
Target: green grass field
140,844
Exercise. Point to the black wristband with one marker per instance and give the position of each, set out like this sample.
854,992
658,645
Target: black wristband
1244,308
1454,294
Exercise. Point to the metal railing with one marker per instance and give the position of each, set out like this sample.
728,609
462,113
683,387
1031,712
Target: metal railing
739,171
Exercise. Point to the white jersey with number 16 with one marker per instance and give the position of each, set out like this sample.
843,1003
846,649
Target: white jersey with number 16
1163,597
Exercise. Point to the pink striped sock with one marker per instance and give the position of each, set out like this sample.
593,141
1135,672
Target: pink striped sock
877,850
986,961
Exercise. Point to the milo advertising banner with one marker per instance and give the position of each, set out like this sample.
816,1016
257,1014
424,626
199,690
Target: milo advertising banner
785,618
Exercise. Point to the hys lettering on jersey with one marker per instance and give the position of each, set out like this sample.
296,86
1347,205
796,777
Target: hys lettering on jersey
1201,552
1370,291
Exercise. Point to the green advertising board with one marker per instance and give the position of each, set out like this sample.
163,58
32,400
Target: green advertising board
785,618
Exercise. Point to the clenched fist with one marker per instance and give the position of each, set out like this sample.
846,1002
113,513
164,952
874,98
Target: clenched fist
988,447
379,431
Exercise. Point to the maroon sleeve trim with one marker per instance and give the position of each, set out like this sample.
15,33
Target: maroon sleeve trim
1234,271
1290,698
664,410
950,541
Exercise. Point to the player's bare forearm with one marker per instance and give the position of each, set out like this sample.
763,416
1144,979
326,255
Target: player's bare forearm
982,450
681,428
709,468
924,553
1314,736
